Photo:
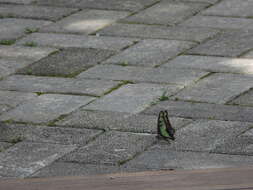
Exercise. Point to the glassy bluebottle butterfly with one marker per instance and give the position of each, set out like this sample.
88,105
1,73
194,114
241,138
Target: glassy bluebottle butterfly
164,127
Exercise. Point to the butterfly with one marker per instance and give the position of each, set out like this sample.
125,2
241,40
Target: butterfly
164,128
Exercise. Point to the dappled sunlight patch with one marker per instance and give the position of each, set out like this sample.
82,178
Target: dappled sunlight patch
213,64
82,25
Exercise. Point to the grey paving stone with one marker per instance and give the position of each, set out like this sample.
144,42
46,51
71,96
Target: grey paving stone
206,135
111,148
4,146
231,8
245,99
45,134
218,88
141,74
249,55
203,111
74,169
35,12
67,40
86,21
130,99
57,85
23,159
219,22
9,99
213,64
10,66
68,62
242,145
202,1
129,5
150,52
149,31
13,99
11,28
248,133
237,147
162,157
17,1
25,53
59,3
117,121
4,108
231,44
46,108
166,12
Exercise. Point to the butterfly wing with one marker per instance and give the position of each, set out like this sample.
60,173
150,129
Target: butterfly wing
159,122
171,131
161,126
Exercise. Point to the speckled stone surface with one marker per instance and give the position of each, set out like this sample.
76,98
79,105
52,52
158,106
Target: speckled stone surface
83,81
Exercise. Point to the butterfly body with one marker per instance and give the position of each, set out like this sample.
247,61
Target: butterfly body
164,127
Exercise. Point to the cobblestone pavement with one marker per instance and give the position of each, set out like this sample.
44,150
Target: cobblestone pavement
82,82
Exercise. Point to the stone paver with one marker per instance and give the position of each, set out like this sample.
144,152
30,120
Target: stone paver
245,99
82,83
25,53
46,134
163,32
68,62
242,145
11,28
46,108
23,159
203,111
217,88
211,63
203,1
141,74
248,55
4,108
206,135
58,3
219,22
35,12
129,5
231,8
67,40
86,21
111,148
75,169
56,85
150,52
11,99
4,146
9,66
117,121
166,13
17,1
130,99
171,159
231,44
13,58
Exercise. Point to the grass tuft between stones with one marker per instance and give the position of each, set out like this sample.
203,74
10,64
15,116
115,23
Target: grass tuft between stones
164,97
118,86
31,44
15,140
31,30
40,93
124,64
7,42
